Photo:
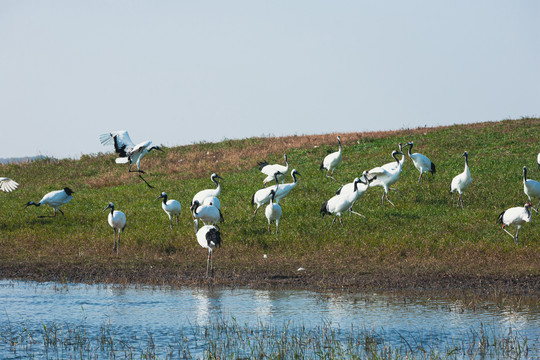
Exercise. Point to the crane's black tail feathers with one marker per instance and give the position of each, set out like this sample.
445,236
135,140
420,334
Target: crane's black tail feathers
253,199
322,165
500,218
213,236
432,169
324,210
262,164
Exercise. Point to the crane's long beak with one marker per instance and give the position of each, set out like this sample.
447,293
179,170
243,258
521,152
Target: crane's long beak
108,207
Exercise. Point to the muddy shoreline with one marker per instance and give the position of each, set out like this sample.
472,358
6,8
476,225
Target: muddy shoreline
526,286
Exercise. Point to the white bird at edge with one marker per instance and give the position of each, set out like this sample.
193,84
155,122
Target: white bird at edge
127,151
7,185
531,188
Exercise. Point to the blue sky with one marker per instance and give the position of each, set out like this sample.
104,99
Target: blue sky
179,72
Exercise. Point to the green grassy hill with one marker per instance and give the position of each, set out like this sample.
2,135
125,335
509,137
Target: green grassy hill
425,241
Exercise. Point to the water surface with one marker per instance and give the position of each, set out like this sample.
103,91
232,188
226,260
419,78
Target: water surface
165,314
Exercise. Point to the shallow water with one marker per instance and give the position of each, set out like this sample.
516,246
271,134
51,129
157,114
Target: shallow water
136,313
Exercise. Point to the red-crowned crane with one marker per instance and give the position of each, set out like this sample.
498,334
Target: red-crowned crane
54,199
331,161
117,220
515,216
461,182
170,206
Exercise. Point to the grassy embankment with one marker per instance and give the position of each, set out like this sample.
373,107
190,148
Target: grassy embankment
424,242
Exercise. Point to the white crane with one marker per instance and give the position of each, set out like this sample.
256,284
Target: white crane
270,170
531,188
285,189
340,203
209,238
127,151
264,195
515,216
212,201
209,215
421,162
171,207
362,187
331,161
461,182
117,220
273,212
55,199
203,194
386,176
7,185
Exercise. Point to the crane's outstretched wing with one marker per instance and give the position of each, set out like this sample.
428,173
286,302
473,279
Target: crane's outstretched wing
121,141
7,185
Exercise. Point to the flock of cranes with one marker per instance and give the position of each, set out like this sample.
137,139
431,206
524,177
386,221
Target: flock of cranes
206,206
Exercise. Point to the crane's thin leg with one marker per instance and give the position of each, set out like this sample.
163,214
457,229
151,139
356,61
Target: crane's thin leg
516,237
150,186
508,232
386,196
277,227
341,220
114,241
333,221
355,213
118,243
331,176
212,263
460,201
255,213
420,177
538,204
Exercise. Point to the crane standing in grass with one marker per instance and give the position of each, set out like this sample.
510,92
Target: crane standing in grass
54,199
531,188
387,176
420,161
264,195
203,194
171,207
127,151
340,203
117,220
515,216
331,161
273,212
461,182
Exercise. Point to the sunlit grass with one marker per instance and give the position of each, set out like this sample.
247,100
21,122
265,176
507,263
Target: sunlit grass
425,233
